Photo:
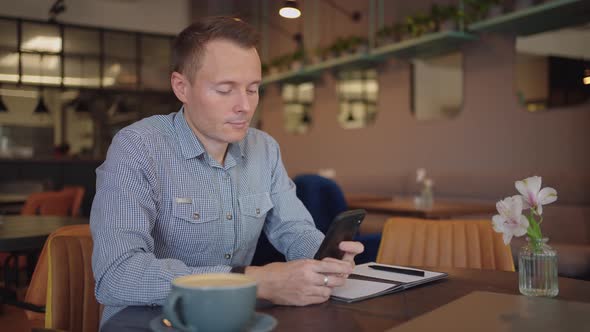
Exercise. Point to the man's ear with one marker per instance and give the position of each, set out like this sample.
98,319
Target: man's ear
180,86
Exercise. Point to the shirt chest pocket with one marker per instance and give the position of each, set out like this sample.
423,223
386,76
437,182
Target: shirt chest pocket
195,211
255,206
189,233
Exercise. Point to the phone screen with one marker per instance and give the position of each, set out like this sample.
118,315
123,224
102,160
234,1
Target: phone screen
343,228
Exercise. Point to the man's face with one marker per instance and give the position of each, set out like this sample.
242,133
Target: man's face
221,101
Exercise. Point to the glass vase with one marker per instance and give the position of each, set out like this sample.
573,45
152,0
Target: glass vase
425,200
537,269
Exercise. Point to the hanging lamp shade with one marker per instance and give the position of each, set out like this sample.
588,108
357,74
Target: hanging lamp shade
290,10
3,107
41,107
305,119
350,117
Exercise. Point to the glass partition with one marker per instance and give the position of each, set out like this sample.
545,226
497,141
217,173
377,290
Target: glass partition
156,57
81,57
40,37
81,41
40,68
8,31
74,56
68,65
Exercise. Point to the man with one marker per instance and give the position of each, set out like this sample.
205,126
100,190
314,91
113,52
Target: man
190,192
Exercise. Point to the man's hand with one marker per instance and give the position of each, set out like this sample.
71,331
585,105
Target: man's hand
299,282
302,282
350,249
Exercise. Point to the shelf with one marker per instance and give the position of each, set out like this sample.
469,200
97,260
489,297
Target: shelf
540,18
311,72
426,46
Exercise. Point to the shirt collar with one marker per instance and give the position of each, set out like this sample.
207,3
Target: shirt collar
189,143
191,146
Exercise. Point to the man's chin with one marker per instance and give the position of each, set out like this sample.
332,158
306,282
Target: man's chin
237,135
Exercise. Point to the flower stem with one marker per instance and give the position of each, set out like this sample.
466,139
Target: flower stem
534,230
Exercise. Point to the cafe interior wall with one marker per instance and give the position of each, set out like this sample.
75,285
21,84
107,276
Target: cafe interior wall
156,16
134,15
479,153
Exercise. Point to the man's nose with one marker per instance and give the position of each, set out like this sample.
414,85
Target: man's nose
243,103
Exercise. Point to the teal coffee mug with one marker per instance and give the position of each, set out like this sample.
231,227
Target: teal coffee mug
211,302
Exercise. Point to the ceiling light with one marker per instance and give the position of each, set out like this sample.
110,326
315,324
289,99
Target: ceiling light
586,79
290,10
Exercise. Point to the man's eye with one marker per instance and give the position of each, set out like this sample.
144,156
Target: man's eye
252,92
223,92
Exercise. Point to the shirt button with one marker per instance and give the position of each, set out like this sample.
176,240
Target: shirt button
227,256
257,211
196,216
228,216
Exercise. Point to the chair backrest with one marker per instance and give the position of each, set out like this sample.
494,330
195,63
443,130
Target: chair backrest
322,197
444,243
78,193
49,203
37,290
71,304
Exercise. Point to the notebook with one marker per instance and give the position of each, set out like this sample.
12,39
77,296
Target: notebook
366,282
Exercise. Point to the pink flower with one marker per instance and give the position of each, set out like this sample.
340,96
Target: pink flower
510,220
533,196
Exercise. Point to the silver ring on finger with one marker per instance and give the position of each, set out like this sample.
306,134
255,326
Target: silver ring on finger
326,280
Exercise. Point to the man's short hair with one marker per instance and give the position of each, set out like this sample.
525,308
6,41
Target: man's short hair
189,45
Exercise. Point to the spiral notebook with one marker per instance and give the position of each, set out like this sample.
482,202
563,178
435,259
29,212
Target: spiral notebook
367,281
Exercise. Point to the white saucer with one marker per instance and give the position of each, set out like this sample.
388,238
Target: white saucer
262,323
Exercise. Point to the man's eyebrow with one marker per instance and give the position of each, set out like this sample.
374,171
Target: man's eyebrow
233,82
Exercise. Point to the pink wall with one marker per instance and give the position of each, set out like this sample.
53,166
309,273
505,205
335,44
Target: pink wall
477,154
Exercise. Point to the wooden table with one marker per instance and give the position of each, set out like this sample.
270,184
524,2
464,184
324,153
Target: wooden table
13,198
377,314
26,234
12,203
19,233
403,206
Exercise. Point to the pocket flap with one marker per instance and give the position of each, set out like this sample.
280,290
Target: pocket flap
255,205
195,210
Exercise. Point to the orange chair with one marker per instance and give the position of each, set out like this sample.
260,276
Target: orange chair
444,243
37,291
71,304
49,203
78,193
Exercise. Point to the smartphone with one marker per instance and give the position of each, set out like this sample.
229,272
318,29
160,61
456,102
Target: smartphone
343,228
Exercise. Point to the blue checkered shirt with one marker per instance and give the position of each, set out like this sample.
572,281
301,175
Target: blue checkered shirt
164,208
